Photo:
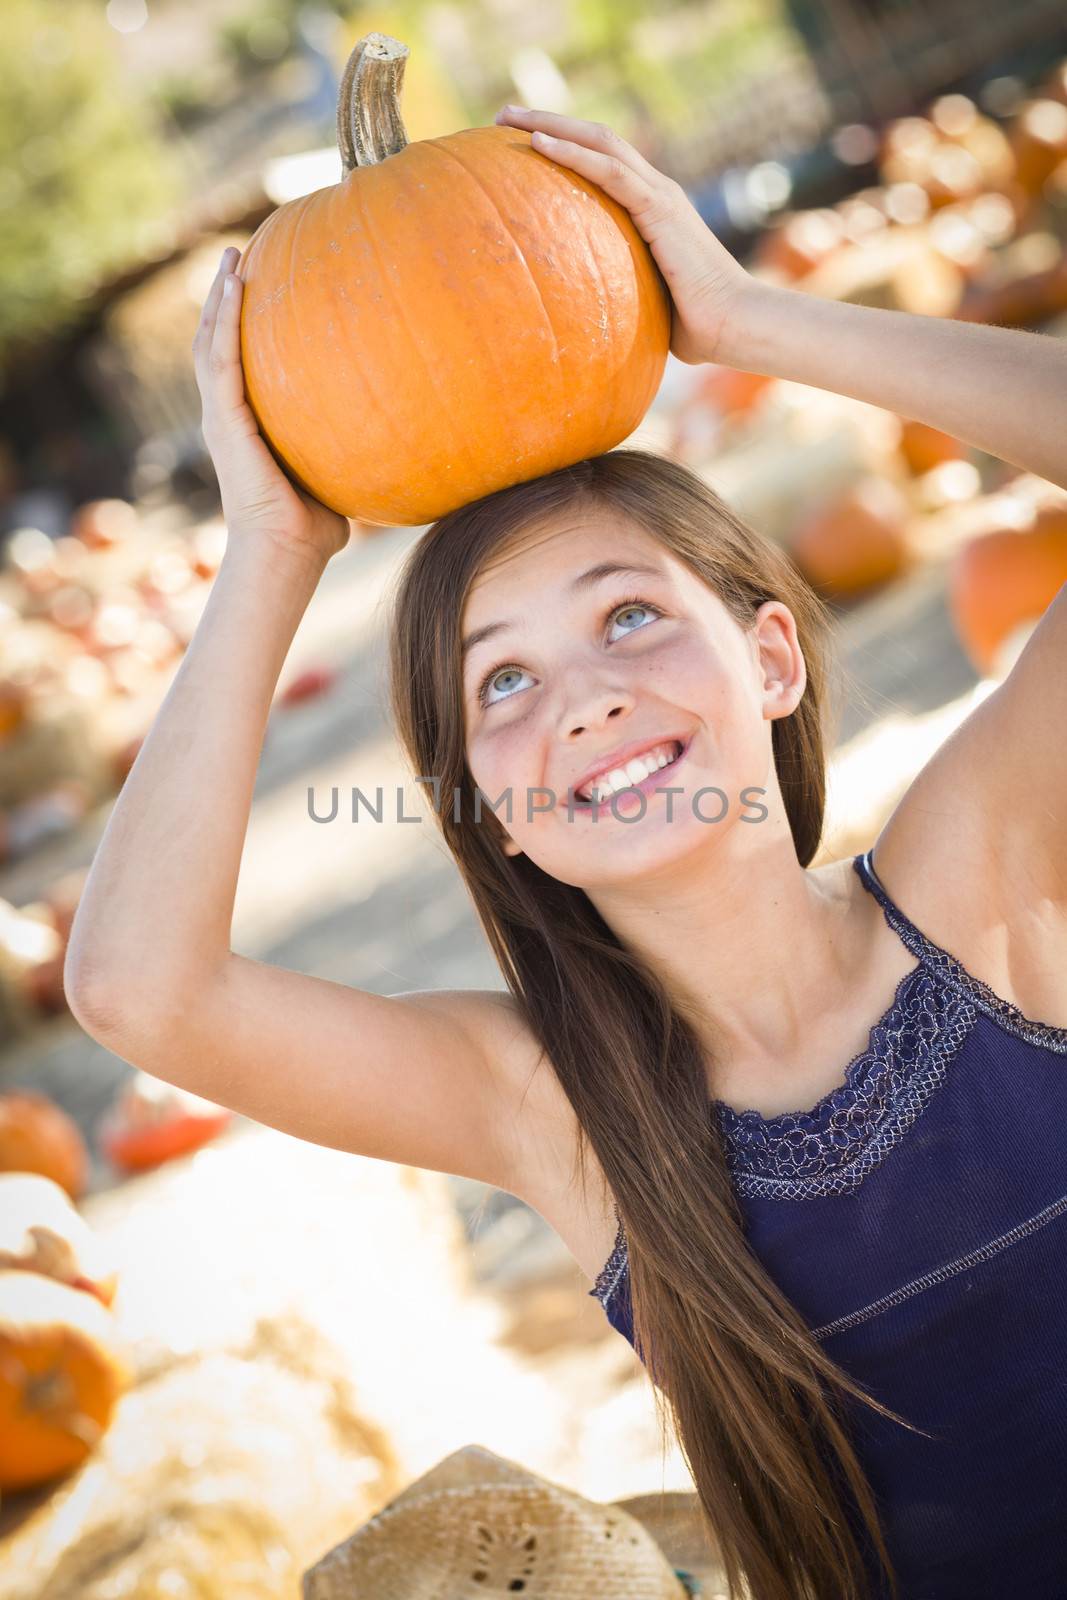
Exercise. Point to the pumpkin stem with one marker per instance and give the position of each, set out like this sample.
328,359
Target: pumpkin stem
369,125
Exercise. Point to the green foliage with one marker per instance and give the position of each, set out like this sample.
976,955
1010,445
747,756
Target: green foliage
84,171
258,37
676,57
186,97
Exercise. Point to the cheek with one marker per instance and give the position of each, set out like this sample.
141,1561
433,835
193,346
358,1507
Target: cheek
497,754
706,683
692,674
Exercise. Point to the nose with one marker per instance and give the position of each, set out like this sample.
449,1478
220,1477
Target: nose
597,705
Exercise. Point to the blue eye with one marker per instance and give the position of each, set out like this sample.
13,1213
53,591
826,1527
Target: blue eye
634,608
635,603
501,684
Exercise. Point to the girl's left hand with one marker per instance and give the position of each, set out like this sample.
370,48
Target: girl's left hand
706,283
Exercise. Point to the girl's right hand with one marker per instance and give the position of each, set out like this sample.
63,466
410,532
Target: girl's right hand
258,501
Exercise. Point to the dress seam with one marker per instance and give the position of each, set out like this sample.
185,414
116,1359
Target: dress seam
929,1280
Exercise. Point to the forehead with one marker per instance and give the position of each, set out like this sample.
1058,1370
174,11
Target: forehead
550,556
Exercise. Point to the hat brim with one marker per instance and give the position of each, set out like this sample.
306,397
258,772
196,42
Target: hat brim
673,1520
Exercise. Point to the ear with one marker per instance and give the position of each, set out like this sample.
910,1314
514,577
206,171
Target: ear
781,659
511,848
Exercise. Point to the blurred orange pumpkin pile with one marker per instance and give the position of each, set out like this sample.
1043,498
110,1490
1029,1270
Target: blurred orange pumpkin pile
149,1122
63,1362
969,221
969,218
94,625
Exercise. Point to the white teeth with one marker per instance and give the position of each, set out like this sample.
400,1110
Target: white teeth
635,771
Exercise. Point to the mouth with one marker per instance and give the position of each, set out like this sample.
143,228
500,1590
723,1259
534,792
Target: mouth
647,786
640,772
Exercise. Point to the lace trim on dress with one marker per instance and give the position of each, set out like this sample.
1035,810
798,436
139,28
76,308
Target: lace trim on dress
831,1148
607,1280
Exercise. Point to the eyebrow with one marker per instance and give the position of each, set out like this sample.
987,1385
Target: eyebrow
584,580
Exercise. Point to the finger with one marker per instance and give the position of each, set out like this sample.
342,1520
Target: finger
610,172
592,135
226,390
206,326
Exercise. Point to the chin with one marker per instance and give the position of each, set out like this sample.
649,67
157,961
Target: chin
631,853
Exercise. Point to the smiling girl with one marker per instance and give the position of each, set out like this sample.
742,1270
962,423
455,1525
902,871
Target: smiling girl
801,1127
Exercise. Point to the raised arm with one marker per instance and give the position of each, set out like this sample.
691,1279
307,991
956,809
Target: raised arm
1000,389
417,1078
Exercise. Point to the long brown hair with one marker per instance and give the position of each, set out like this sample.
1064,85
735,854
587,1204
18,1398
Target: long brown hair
743,1377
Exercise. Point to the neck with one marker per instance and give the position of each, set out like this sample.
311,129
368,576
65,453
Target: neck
750,945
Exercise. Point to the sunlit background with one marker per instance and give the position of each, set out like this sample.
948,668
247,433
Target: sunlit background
306,1331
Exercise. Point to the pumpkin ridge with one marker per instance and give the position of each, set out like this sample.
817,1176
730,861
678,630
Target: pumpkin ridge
447,410
605,296
519,250
382,410
339,444
294,300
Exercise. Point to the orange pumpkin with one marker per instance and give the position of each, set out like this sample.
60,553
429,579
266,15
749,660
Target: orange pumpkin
1018,302
36,1135
40,1231
853,542
907,144
924,447
61,1375
308,685
1004,578
153,1121
958,121
730,391
13,699
455,316
796,244
1039,142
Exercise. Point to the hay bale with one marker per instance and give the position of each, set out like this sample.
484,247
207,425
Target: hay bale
221,1477
306,1334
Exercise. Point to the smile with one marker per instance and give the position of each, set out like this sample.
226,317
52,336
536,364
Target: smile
631,775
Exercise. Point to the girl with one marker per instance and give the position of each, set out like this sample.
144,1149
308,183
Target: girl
846,1281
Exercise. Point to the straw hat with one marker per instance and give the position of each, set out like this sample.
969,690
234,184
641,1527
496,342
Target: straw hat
480,1527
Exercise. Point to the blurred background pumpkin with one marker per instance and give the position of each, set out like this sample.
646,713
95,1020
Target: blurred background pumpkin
1006,579
62,1372
40,1231
37,1135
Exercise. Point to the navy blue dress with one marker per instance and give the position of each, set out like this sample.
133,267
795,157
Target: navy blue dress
917,1219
